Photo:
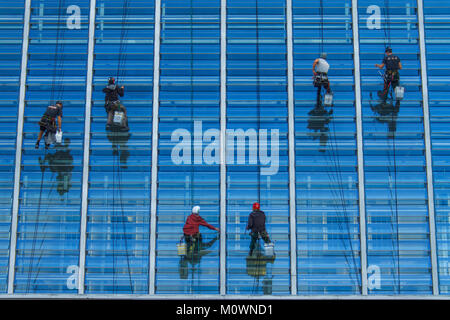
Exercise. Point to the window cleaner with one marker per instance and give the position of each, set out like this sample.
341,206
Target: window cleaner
117,113
320,71
191,227
257,225
48,126
391,75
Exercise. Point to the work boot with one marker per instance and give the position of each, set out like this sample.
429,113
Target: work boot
36,146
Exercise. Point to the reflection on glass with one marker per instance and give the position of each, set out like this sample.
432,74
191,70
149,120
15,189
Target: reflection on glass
328,239
50,182
190,264
318,121
387,113
257,267
119,146
118,214
61,163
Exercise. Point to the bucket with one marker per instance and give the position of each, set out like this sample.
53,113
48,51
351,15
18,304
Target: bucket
328,100
181,249
58,137
118,116
399,93
269,249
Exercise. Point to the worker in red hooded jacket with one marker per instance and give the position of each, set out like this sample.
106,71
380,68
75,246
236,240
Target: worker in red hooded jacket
191,227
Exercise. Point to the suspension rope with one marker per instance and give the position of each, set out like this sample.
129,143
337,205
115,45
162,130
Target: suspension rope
115,218
44,226
387,31
396,208
258,108
321,12
196,246
36,227
123,34
58,60
394,212
338,181
341,194
124,233
113,222
393,202
337,178
116,136
191,92
57,63
35,232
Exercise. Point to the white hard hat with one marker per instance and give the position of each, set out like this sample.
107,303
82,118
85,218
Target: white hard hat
196,209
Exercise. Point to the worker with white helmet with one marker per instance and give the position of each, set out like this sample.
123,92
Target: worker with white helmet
191,227
320,70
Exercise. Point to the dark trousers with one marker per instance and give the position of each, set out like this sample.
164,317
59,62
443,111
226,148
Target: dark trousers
255,235
321,81
193,241
391,78
326,85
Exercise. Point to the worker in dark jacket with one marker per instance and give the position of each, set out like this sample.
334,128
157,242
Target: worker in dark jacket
257,225
47,123
112,103
191,227
391,74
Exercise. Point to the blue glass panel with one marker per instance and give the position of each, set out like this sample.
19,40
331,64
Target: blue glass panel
118,227
395,181
189,114
257,105
328,247
437,27
50,193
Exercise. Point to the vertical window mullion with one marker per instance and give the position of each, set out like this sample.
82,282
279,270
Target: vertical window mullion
19,139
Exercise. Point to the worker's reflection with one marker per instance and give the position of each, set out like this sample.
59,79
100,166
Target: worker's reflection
318,121
194,254
119,142
387,113
258,269
60,162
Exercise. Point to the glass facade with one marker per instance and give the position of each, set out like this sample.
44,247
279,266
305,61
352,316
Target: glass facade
436,25
328,258
350,212
398,239
49,214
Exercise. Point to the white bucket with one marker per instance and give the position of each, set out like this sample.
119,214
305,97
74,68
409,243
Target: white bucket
269,249
58,136
118,116
399,93
328,100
